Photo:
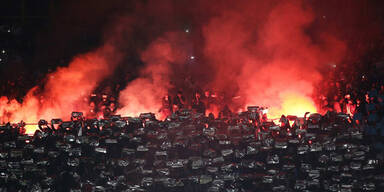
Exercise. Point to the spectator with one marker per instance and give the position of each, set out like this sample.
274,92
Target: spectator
336,104
197,104
179,100
166,108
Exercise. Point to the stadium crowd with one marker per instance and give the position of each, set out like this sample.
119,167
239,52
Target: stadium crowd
191,150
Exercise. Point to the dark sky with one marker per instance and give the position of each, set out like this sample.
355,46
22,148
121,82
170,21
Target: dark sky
56,30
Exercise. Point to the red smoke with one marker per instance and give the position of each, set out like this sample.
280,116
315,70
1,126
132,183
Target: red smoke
161,58
267,53
270,57
266,57
66,90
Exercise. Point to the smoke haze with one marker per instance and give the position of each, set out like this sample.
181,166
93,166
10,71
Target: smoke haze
268,53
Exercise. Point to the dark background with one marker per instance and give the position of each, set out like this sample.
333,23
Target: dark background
40,35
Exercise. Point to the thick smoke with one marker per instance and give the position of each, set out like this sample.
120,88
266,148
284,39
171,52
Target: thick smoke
161,58
270,57
66,89
266,57
267,53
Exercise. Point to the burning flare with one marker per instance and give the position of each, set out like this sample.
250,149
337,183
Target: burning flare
293,104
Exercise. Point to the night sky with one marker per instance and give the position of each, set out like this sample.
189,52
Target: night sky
56,30
50,33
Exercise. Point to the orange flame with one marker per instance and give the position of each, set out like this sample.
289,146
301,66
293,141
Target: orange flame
293,103
30,129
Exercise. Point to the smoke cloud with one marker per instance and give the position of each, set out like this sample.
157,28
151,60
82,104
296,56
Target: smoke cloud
267,53
65,89
271,57
161,58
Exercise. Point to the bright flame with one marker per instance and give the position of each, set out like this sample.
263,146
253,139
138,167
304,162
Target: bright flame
293,104
30,129
214,110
